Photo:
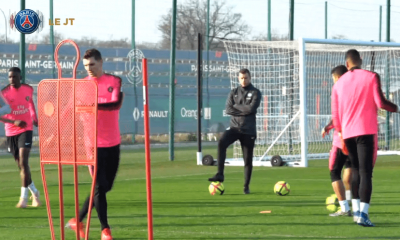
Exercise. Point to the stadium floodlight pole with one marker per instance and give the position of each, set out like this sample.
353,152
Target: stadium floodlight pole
147,149
199,97
387,74
380,23
326,20
22,48
52,39
133,45
172,83
5,24
269,20
291,20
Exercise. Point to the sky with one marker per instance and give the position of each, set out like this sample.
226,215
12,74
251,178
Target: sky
111,20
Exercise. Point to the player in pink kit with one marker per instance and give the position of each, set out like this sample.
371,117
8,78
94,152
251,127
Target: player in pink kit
338,160
19,125
356,98
108,139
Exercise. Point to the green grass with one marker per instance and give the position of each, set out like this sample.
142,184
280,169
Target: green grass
183,208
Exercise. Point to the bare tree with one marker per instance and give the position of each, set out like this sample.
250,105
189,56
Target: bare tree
339,36
275,36
191,20
58,37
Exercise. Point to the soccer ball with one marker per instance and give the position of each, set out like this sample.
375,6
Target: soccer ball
332,203
216,188
282,188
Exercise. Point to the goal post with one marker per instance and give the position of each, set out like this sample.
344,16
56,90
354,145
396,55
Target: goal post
294,78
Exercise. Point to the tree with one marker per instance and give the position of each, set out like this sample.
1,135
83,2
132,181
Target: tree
339,36
191,20
275,36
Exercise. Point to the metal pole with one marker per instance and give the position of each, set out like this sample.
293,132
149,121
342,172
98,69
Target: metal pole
303,103
387,75
199,96
388,21
22,48
172,84
326,20
133,44
269,20
5,23
208,59
133,40
52,40
291,20
380,23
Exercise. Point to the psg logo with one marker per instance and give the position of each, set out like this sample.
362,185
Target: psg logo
27,21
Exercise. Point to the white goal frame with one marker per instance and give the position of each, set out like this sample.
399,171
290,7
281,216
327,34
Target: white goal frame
301,113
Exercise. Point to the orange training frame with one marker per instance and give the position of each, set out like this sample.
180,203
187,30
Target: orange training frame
67,109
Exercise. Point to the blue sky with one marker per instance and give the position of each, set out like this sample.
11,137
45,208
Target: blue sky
105,19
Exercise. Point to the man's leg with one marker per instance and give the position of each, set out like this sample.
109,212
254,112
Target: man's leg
336,163
365,149
347,179
100,179
26,178
247,144
107,166
112,168
351,144
227,138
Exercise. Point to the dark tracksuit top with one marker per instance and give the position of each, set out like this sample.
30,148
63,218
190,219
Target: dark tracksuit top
242,104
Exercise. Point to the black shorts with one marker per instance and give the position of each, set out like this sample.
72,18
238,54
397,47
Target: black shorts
22,140
337,160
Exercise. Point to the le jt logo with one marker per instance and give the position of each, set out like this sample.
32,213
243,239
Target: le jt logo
57,21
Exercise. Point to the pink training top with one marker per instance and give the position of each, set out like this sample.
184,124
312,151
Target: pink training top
22,108
356,98
109,88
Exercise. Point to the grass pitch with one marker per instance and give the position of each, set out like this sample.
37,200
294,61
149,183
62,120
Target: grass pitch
183,208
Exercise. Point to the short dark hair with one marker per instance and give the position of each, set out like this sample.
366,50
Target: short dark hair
339,70
244,71
15,69
92,53
354,56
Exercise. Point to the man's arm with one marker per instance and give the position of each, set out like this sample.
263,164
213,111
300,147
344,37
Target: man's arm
380,99
32,111
252,107
4,107
327,128
229,109
116,98
112,105
335,111
18,123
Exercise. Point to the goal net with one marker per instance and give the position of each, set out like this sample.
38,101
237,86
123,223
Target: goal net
295,80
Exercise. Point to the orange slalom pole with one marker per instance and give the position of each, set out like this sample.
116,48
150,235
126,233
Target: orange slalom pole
46,196
147,149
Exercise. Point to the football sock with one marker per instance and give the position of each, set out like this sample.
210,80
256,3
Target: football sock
32,188
344,205
348,195
355,203
24,192
364,207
